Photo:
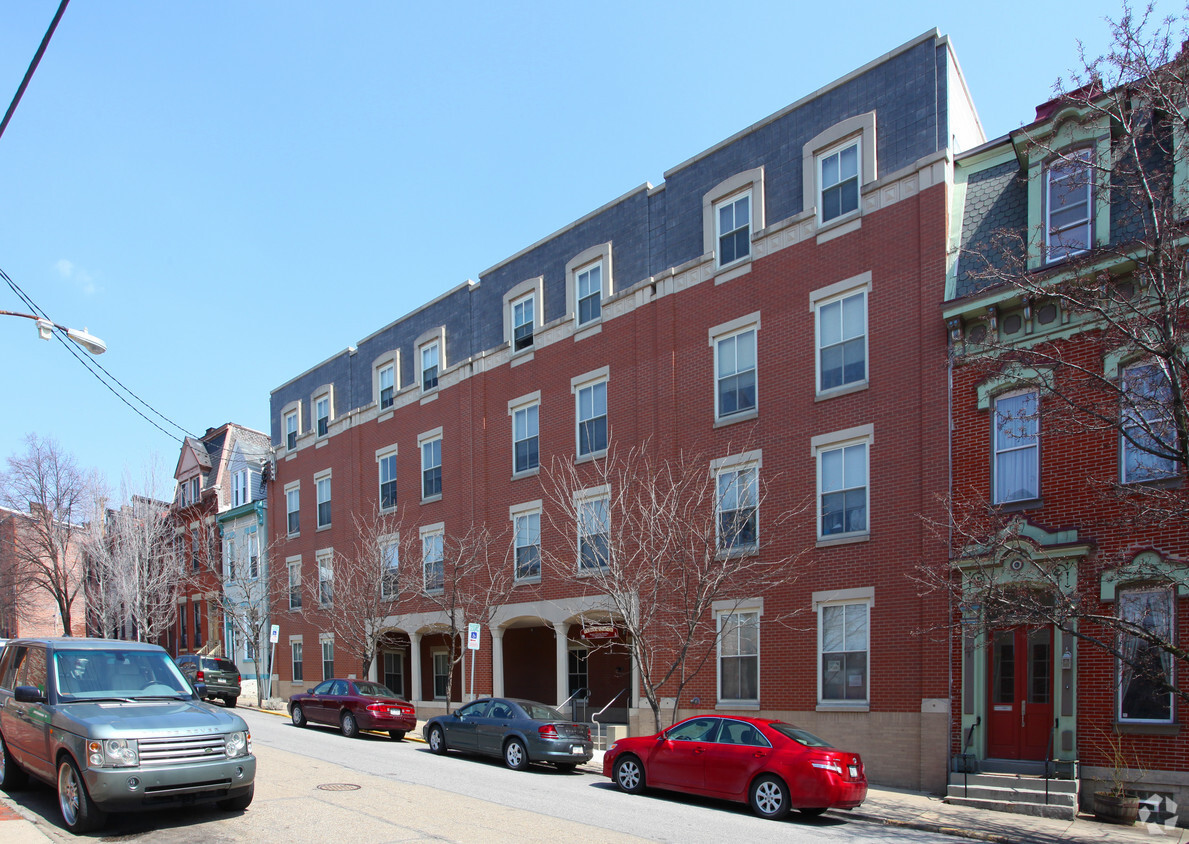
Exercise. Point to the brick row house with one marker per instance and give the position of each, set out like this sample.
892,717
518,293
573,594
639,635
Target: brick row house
771,305
1065,308
30,593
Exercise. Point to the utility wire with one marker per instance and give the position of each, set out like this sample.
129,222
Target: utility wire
33,66
91,365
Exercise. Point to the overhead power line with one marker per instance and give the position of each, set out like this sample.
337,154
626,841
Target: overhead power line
49,33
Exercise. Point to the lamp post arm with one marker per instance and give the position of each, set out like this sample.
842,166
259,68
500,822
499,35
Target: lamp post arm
46,328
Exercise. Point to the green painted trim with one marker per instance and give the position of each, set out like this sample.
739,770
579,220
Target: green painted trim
1014,376
1147,566
258,506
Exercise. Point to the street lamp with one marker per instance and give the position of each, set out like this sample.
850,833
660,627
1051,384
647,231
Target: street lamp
45,329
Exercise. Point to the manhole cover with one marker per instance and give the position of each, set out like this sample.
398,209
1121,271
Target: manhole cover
338,786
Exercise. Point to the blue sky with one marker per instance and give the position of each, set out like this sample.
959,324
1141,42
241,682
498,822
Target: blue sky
228,193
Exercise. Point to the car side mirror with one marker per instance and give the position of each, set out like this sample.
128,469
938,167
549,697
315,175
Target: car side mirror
28,694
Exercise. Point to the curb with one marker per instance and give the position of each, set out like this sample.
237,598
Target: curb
926,826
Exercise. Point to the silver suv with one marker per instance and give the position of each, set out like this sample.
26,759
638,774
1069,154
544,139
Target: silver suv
116,727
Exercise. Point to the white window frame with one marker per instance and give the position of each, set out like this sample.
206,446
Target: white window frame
1077,163
839,294
389,548
584,501
387,379
423,367
1130,420
293,567
522,516
731,189
862,596
583,263
720,334
433,553
822,158
735,465
229,556
324,562
733,203
723,612
434,655
322,496
860,128
590,381
320,400
253,554
528,406
1168,596
386,457
326,648
239,488
1001,424
516,297
296,659
429,438
830,443
292,414
524,316
292,507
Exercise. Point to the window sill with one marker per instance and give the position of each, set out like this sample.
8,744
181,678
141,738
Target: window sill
588,458
844,390
839,226
735,553
527,473
730,272
385,415
739,706
830,541
320,443
293,535
522,357
589,329
289,455
526,581
1019,506
1134,729
592,572
745,416
431,499
843,707
321,528
426,398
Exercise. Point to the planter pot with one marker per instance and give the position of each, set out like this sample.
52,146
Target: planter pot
1112,807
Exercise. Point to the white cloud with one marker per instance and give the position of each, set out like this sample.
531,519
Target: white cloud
80,278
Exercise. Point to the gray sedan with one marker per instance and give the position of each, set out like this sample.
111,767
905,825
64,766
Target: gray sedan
520,731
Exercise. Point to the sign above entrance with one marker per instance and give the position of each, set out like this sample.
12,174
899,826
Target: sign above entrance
599,631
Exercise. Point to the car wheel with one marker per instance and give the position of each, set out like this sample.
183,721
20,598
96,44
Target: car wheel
437,741
396,735
238,804
79,812
515,756
628,774
565,767
769,797
348,725
811,813
229,701
12,776
298,716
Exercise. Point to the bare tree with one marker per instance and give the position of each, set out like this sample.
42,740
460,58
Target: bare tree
58,496
663,543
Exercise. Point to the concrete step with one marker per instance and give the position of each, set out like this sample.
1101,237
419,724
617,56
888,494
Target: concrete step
1059,812
1012,795
1021,784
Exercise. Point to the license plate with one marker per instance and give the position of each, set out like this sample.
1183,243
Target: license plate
854,772
577,750
395,713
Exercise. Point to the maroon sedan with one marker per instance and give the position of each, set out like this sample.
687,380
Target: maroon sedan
771,765
353,705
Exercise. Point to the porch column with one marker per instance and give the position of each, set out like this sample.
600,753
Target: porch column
415,668
497,661
562,631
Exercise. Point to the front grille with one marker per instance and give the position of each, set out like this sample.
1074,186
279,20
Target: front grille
181,750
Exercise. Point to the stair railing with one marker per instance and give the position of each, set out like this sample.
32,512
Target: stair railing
595,717
1050,762
965,762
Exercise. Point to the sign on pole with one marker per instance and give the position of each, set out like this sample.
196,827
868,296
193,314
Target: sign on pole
274,635
473,636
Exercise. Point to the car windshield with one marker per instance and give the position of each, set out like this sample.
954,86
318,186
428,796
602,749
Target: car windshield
799,735
540,712
373,690
91,674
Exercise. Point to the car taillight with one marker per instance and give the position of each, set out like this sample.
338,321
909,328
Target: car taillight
237,680
377,707
547,731
408,710
198,677
827,764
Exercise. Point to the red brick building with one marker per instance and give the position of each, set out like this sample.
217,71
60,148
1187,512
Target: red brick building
772,306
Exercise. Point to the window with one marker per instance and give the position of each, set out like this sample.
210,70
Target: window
239,488
527,532
194,545
594,533
525,447
589,283
1017,448
294,567
291,431
738,509
390,568
592,418
1148,433
229,557
197,625
842,341
325,579
1146,678
842,483
322,415
327,658
842,643
433,567
293,508
195,490
1068,205
735,373
253,555
183,624
387,379
387,468
523,322
733,221
431,467
839,181
394,672
429,366
441,674
322,491
739,657
298,668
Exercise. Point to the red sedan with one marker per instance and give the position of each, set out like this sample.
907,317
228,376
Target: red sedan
353,705
771,765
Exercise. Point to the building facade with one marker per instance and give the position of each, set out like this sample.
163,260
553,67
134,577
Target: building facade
771,306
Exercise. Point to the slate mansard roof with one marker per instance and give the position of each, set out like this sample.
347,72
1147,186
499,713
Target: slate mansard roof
920,101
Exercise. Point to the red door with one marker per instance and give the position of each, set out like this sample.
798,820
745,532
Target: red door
1020,719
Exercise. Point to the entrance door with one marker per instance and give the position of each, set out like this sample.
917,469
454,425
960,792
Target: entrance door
1020,719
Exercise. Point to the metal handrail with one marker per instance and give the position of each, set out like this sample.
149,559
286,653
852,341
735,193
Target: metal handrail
1049,761
966,746
595,717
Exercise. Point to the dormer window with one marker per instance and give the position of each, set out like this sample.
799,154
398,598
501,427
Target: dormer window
322,415
291,431
840,181
239,488
387,386
733,217
523,320
430,357
590,293
195,489
1068,205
